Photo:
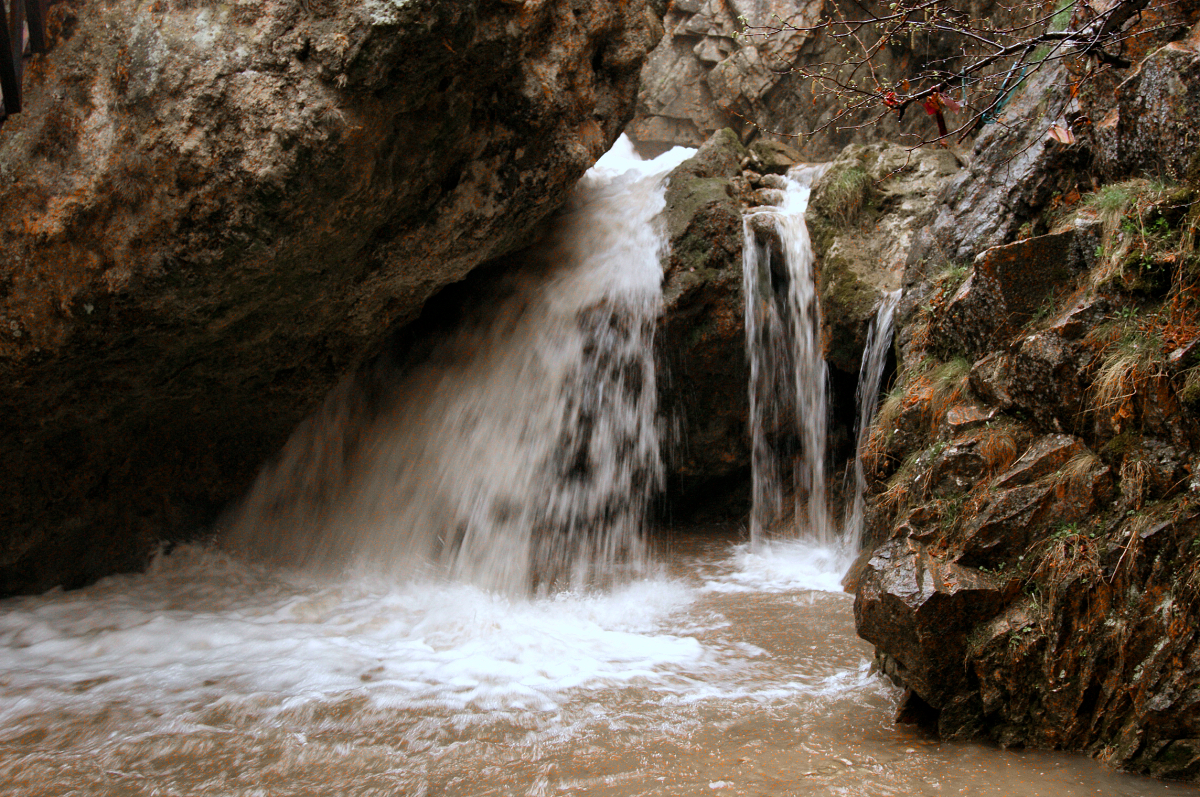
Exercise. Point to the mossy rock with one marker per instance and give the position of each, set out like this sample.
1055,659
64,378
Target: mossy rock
847,304
840,196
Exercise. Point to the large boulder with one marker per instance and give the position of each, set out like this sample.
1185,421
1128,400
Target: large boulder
921,609
702,331
864,215
211,213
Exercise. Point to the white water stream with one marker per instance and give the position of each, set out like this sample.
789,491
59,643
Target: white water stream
870,380
380,637
789,402
525,448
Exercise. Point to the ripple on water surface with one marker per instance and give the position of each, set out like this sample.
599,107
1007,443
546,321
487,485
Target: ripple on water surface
739,674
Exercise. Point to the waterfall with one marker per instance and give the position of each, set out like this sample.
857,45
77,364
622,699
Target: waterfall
789,404
870,378
524,449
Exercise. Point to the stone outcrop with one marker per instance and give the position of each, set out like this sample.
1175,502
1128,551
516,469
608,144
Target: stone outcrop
727,63
1010,284
1150,128
1034,494
1122,123
702,331
209,214
704,72
924,609
863,217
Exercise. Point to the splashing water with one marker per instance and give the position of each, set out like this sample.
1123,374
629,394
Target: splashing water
525,449
870,378
738,674
789,404
206,676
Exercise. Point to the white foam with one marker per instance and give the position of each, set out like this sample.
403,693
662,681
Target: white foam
622,158
200,627
782,566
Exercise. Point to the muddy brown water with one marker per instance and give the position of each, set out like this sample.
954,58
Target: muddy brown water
729,672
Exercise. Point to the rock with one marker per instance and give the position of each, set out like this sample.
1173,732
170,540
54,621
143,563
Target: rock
862,241
964,417
712,71
1152,469
1007,287
1090,640
212,213
1044,457
701,76
1177,760
1152,128
702,335
957,467
774,157
1018,509
1042,375
919,609
1185,354
1013,174
1080,316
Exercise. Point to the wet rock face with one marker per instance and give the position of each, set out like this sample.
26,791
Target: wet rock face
921,609
1151,128
1040,436
702,331
211,213
864,214
1008,286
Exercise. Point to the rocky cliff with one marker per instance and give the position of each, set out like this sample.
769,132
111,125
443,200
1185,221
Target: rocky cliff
729,63
1032,570
210,213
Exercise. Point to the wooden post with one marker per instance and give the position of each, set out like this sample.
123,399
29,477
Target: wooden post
36,11
12,52
12,47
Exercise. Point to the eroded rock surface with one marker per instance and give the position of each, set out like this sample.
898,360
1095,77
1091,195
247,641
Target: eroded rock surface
727,63
1039,433
702,331
863,218
211,213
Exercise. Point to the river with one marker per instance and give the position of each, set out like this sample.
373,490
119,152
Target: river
449,590
726,672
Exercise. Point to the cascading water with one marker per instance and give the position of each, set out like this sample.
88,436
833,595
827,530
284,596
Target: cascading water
789,404
870,379
524,449
734,674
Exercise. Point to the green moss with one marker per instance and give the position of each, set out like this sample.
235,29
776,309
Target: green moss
687,195
844,194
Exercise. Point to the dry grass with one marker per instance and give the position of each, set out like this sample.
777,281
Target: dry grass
1068,555
1135,481
1079,469
1189,392
949,387
1123,209
875,448
999,447
1127,366
899,487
